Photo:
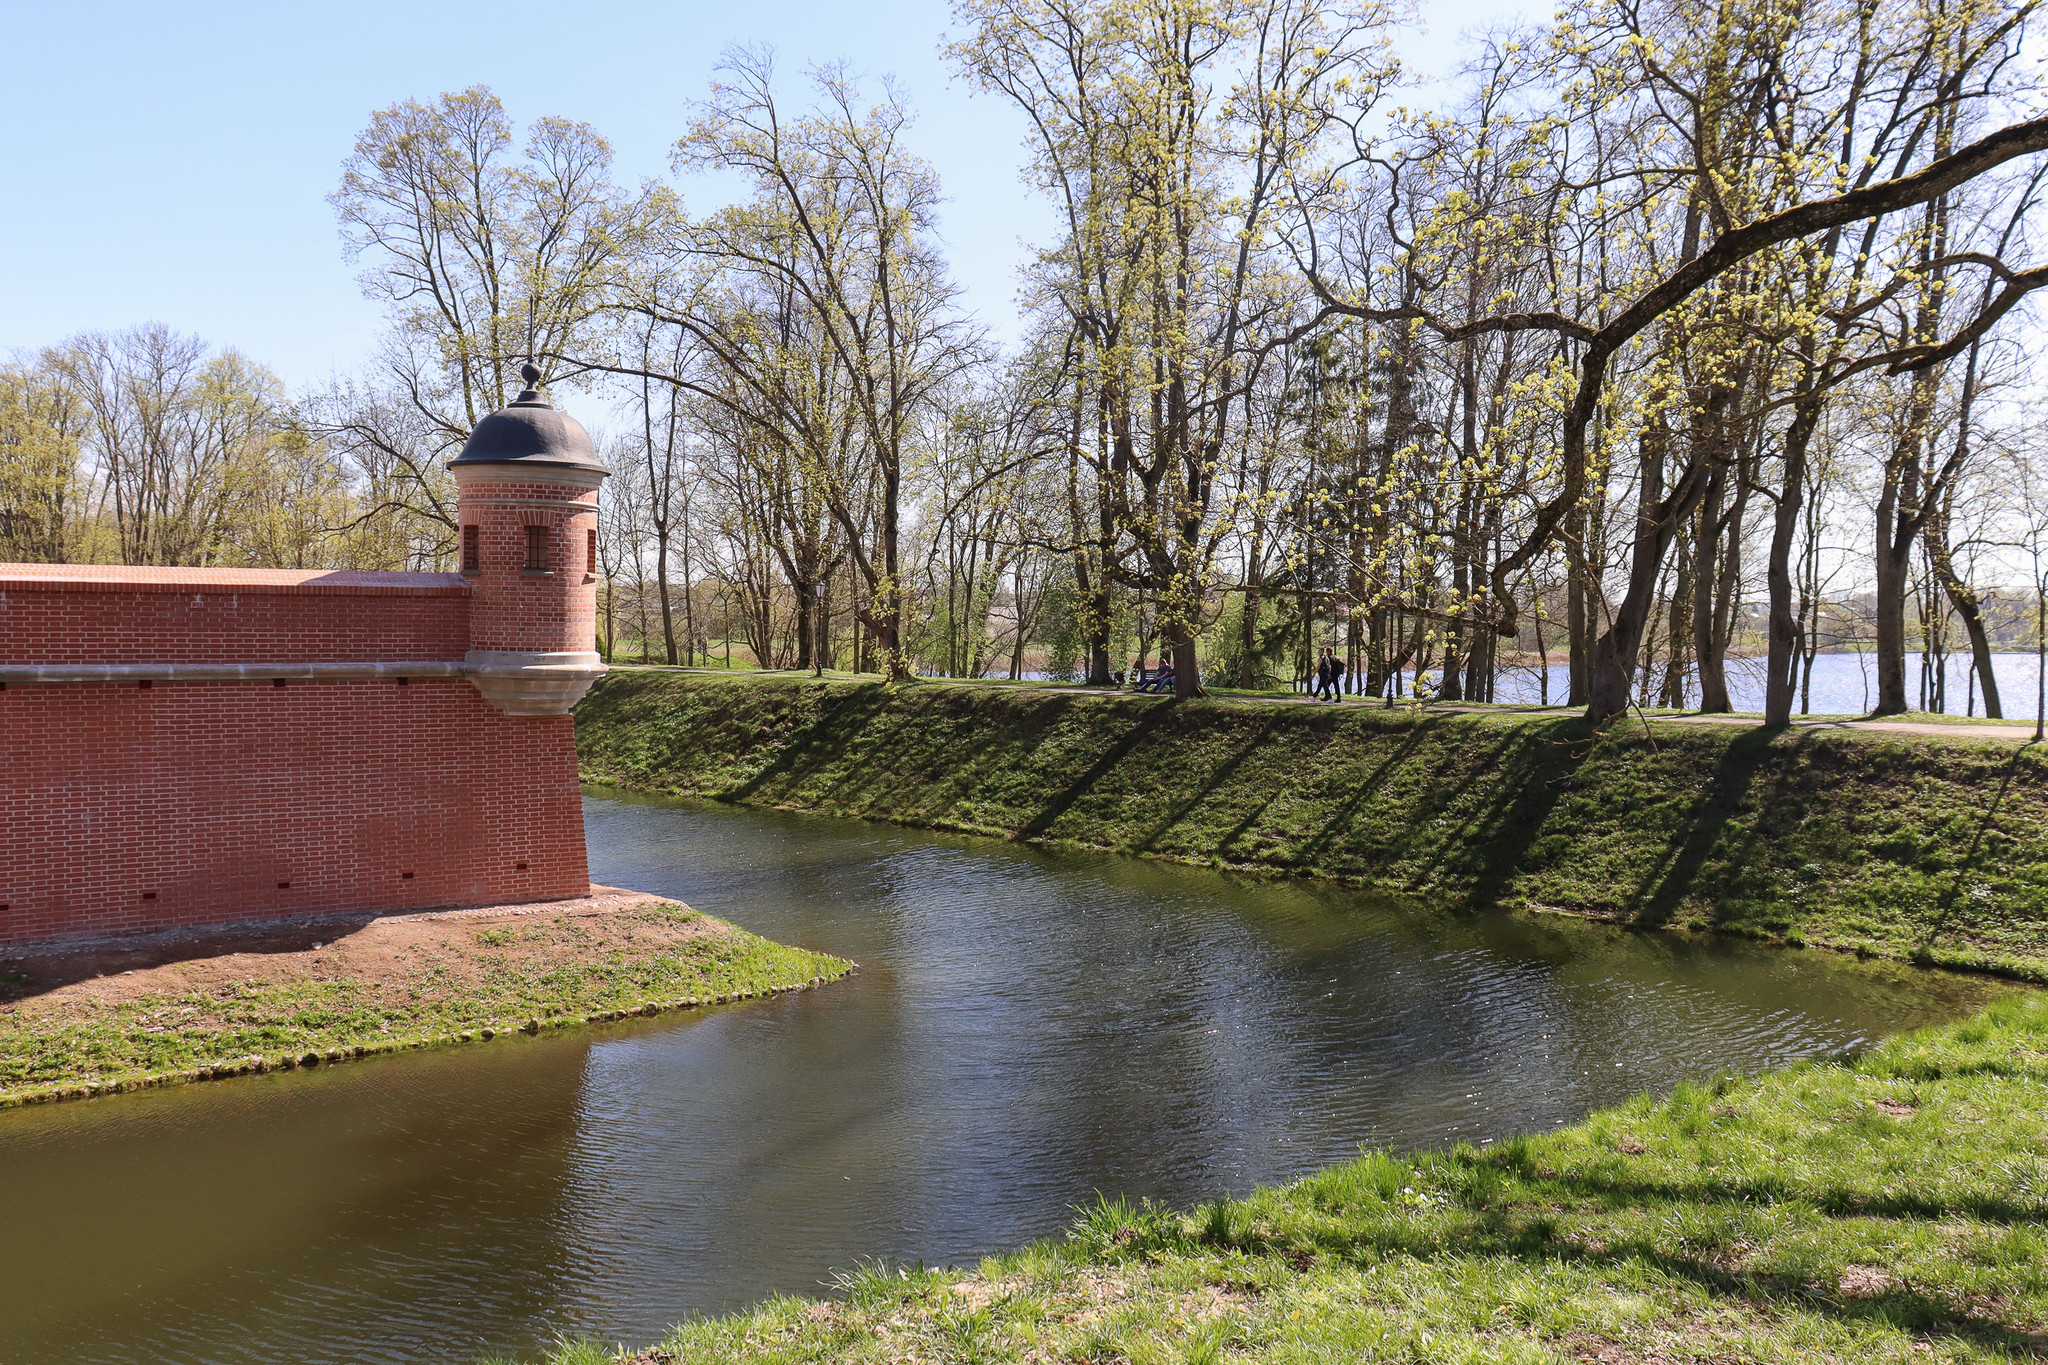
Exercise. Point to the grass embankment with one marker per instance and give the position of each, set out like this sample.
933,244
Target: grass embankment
1903,846
1886,1209
385,985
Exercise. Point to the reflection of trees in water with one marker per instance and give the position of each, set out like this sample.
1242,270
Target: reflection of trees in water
388,1211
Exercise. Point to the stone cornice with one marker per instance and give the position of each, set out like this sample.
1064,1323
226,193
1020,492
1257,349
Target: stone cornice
367,671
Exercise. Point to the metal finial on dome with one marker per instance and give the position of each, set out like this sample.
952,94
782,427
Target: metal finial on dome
530,395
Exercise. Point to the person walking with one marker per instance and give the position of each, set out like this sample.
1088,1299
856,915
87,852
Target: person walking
1324,683
1337,671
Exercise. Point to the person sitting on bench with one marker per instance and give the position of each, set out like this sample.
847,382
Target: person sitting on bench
1159,681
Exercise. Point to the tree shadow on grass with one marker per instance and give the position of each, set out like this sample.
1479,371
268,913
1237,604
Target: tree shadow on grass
1145,727
1206,789
1528,1231
1537,762
1536,1242
1227,843
1665,887
1972,856
842,715
969,753
1312,850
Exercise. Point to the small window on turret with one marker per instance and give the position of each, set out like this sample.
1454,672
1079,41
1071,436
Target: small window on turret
472,550
536,548
590,552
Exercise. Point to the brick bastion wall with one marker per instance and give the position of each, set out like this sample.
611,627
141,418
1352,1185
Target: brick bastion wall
184,747
203,746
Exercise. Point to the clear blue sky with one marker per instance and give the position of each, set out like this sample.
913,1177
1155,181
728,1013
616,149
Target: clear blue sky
171,162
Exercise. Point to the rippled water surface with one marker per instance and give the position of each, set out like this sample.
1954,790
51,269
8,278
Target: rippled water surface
1026,1028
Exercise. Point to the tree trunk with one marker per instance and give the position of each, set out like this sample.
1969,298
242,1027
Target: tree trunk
889,625
803,625
1187,677
1248,636
1706,653
668,621
1577,622
1781,663
1964,599
1892,569
1672,693
1615,654
1941,558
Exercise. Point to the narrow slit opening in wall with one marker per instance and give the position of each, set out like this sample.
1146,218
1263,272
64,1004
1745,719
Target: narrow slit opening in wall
404,681
590,557
144,684
284,886
472,549
536,547
519,867
149,895
277,682
405,876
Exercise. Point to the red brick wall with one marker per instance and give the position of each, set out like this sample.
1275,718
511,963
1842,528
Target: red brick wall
99,614
515,611
128,808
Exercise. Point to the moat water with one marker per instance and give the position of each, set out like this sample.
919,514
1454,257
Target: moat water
1026,1029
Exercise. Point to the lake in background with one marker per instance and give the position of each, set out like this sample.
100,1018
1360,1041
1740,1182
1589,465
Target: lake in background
1843,684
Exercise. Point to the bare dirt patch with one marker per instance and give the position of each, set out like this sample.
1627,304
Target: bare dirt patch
1865,1281
99,1018
453,948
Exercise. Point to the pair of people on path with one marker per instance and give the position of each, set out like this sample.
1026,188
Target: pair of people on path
1329,676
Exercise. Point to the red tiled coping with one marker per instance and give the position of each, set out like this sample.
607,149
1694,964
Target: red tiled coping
141,578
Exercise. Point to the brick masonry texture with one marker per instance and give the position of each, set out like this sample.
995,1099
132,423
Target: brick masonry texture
130,808
127,808
516,610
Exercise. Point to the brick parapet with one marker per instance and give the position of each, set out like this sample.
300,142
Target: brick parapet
115,614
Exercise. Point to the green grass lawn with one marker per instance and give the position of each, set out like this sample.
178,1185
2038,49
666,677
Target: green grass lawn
1891,1208
462,982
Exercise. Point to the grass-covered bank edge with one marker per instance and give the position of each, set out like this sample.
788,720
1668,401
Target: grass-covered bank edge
1892,1207
462,992
1910,847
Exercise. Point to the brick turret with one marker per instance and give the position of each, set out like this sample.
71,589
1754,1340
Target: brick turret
527,484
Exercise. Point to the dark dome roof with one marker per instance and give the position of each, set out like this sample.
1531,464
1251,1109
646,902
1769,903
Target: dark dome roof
530,431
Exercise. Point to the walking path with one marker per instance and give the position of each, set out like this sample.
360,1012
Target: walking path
1957,729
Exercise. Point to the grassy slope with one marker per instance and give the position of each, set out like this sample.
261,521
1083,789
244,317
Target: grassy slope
1887,1209
56,1051
1895,845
